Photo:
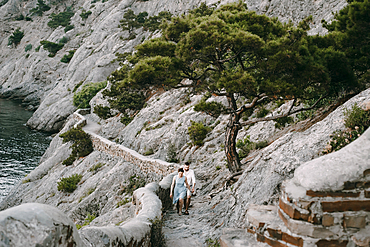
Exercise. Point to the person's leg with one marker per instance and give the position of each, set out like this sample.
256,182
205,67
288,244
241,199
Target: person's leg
181,201
187,203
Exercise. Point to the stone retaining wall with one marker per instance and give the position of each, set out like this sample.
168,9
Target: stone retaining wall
36,224
139,231
326,203
146,164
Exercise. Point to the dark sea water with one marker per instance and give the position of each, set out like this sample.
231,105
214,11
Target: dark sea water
20,147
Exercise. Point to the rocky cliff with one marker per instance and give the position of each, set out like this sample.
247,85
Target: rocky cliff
46,85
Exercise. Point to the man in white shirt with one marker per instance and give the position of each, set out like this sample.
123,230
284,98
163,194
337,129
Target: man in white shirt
189,174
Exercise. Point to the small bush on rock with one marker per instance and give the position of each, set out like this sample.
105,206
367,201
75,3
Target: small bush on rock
88,91
16,37
52,47
281,122
3,2
85,14
246,146
67,58
123,202
27,47
19,18
62,19
135,182
88,220
125,119
198,132
41,7
172,154
69,184
96,167
102,111
82,144
357,120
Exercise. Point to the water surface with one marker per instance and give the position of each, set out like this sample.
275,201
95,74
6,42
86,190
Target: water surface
20,147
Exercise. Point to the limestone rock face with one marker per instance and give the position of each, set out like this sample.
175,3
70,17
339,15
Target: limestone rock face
100,193
332,171
46,84
34,224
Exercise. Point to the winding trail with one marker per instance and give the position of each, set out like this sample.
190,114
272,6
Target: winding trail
179,231
187,230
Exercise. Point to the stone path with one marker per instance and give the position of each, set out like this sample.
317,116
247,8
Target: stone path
179,231
91,126
187,230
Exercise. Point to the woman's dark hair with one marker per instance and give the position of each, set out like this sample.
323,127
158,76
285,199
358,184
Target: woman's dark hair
180,170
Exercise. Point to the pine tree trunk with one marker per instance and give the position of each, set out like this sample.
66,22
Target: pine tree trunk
231,133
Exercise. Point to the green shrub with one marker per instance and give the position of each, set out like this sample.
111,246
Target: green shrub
67,58
305,115
88,91
19,18
16,37
27,55
172,154
69,27
52,47
96,167
69,184
281,122
41,7
62,19
198,132
123,202
262,112
89,218
27,47
246,146
63,40
149,152
28,18
213,242
37,49
125,119
135,182
77,86
157,237
357,117
102,111
261,144
357,121
3,2
125,100
213,108
85,14
82,144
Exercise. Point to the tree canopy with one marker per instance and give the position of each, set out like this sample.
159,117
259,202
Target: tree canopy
248,58
350,32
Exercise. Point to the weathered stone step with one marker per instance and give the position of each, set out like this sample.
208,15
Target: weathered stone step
239,238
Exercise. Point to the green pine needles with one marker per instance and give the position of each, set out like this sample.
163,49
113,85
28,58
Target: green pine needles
40,8
82,98
67,58
81,147
62,19
198,132
16,37
69,184
233,53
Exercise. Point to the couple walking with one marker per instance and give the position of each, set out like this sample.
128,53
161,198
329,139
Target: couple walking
180,188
